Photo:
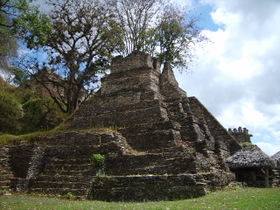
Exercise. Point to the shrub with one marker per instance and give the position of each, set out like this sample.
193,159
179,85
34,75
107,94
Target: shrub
24,110
245,144
40,114
10,112
97,160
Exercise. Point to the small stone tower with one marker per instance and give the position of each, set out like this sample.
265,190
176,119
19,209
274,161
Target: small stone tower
241,134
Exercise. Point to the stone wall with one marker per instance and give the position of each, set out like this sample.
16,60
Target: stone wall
6,173
224,141
145,188
20,157
241,134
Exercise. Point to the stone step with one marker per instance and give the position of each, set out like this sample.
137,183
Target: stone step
4,159
68,167
5,163
79,138
57,184
5,174
77,152
78,160
152,169
149,187
4,168
65,178
149,164
69,172
3,155
5,187
5,183
67,153
148,127
59,191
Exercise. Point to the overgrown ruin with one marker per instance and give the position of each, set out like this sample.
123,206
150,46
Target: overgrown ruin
164,145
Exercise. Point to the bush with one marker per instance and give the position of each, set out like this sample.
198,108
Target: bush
40,114
10,112
97,160
246,144
22,110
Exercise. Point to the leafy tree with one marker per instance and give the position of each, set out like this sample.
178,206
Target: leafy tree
18,76
40,113
158,28
8,46
136,21
17,17
10,110
79,46
23,110
175,36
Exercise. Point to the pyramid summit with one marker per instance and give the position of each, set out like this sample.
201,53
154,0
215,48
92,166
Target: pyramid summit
150,109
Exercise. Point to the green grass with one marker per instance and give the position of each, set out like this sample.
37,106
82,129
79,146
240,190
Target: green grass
9,139
239,198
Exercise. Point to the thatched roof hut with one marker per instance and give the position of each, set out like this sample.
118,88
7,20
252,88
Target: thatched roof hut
252,166
276,158
250,157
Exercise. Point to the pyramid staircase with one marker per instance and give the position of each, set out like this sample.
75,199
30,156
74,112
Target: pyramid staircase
66,175
66,169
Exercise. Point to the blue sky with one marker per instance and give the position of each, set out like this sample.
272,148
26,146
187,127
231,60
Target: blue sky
203,12
236,75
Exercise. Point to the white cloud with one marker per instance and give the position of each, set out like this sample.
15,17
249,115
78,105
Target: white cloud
237,74
269,149
182,3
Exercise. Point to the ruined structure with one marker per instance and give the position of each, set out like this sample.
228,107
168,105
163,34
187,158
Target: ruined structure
241,134
252,166
167,145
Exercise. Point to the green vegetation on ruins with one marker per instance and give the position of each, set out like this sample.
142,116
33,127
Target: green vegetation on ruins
10,139
24,110
235,198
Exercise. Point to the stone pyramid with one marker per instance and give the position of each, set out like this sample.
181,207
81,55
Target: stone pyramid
167,145
168,132
151,111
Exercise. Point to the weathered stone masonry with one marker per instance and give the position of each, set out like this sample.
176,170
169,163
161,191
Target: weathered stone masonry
168,146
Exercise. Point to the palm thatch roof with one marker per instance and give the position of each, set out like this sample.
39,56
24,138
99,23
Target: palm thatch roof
250,157
276,158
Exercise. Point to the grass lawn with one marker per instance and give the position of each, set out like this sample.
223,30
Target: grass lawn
239,198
